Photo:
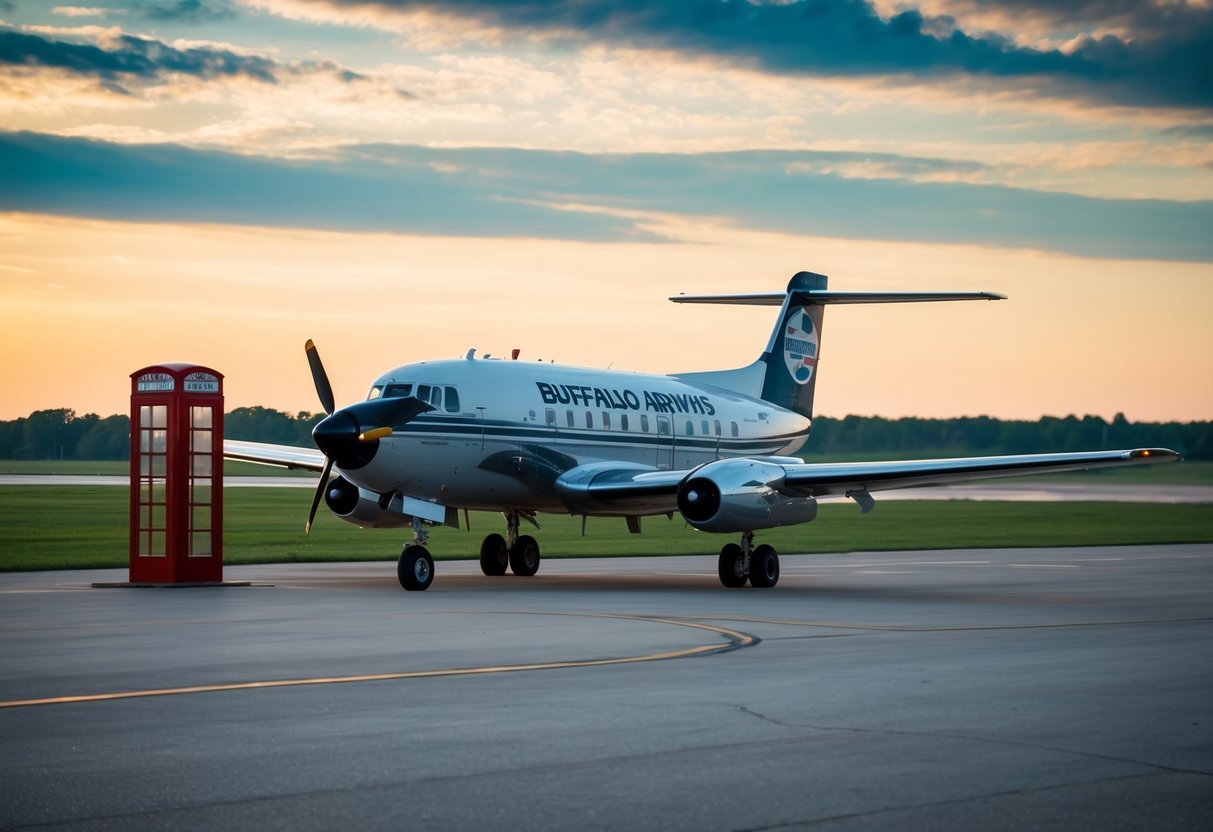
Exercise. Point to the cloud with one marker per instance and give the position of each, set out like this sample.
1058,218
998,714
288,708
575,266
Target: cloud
189,11
505,192
128,56
1168,62
82,11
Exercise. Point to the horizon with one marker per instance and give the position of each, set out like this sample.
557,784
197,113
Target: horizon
402,180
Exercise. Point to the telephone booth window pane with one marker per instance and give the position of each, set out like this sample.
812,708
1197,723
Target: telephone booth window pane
156,545
201,441
200,545
201,466
200,518
159,441
159,417
202,417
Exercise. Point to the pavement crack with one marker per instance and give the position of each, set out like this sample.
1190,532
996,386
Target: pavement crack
1095,755
957,801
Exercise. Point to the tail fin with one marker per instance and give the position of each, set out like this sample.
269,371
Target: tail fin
786,373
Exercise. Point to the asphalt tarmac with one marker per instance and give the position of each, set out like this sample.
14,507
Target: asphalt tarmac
950,690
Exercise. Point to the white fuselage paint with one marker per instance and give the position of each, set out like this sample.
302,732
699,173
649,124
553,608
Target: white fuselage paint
564,416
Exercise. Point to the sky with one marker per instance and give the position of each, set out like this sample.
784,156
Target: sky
217,181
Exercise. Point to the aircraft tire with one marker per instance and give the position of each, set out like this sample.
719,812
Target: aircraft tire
764,567
524,556
415,569
727,566
494,555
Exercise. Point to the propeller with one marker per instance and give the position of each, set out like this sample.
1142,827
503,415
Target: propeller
349,437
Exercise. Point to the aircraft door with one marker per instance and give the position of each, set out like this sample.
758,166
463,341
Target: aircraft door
665,442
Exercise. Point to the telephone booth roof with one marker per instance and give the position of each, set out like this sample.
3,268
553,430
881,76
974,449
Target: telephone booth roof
177,369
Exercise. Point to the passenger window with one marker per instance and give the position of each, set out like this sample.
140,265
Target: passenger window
606,420
690,428
734,427
452,400
704,424
623,422
644,422
569,418
589,419
551,417
717,426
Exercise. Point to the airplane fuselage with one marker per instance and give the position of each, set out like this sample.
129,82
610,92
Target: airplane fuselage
502,431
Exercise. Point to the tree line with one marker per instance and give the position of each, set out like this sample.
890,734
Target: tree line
61,434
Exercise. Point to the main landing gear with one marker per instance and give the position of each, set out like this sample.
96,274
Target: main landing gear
519,552
757,564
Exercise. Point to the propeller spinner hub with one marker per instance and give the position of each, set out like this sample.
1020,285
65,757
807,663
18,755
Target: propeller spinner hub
339,436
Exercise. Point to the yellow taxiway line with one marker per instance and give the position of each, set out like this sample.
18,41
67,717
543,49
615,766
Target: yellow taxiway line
734,639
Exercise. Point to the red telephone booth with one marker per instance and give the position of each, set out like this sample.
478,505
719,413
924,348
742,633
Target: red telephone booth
176,475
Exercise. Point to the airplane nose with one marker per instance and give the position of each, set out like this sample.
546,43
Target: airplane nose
339,437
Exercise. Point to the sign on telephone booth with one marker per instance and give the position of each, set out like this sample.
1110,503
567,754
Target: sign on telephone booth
176,475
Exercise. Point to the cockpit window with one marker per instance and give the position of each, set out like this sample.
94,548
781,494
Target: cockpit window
431,393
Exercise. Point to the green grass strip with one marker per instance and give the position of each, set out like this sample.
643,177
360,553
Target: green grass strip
77,527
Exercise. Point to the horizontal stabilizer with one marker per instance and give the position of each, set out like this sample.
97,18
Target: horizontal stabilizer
824,297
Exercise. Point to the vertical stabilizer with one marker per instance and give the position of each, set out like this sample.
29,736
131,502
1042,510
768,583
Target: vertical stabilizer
791,353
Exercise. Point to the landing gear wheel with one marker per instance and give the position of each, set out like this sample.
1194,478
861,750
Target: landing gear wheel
524,556
494,555
415,569
730,558
764,567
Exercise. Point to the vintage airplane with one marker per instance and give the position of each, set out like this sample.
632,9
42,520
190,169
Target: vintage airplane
528,437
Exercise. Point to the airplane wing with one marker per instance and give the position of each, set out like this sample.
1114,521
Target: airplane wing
282,456
610,488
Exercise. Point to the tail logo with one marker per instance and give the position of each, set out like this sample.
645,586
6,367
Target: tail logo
800,345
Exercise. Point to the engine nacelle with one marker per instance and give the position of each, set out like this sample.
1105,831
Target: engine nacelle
361,507
739,495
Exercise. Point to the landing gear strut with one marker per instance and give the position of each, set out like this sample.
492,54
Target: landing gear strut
519,552
739,563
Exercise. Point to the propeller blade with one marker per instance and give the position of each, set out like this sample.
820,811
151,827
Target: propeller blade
324,481
321,379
